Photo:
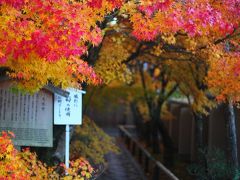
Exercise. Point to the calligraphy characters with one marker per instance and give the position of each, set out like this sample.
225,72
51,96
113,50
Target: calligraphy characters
67,108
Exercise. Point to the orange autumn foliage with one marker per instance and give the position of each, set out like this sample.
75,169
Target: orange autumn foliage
224,74
25,166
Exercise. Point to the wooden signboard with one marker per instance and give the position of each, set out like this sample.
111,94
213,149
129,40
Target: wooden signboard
68,110
29,117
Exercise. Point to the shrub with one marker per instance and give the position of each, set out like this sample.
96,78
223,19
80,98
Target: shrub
25,166
214,165
91,142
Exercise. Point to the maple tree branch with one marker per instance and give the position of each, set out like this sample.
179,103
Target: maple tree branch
164,83
134,55
167,58
178,49
166,47
226,38
171,91
229,36
148,100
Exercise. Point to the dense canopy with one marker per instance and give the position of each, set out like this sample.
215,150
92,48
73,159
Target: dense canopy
46,40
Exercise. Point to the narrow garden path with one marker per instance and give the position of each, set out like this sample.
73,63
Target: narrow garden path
121,166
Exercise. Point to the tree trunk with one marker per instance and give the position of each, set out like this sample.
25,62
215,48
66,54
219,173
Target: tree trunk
231,123
169,150
155,137
198,130
158,128
198,118
199,136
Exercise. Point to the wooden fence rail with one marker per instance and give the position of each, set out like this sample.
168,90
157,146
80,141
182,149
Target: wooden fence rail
152,168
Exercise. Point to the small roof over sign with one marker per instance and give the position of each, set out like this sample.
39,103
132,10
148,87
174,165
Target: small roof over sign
50,87
56,90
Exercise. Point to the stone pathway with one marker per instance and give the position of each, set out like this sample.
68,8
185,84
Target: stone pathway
121,166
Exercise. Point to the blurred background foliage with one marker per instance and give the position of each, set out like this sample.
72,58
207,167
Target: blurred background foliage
91,142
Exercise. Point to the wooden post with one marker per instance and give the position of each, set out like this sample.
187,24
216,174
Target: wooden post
146,164
140,156
133,148
156,173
